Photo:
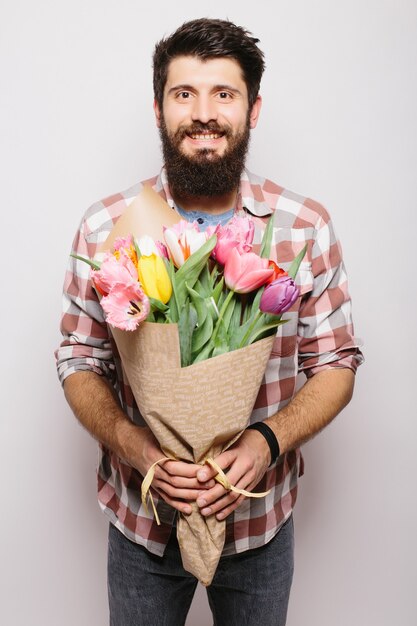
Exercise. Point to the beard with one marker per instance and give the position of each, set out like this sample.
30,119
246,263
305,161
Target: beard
204,173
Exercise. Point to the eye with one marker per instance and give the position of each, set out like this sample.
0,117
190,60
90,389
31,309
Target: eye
224,95
183,95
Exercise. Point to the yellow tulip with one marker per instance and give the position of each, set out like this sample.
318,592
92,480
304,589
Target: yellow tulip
154,277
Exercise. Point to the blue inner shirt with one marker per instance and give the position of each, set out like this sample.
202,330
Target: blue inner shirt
203,219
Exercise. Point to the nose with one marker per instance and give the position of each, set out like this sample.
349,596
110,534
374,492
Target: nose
204,109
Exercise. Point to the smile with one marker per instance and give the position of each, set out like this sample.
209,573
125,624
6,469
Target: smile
205,136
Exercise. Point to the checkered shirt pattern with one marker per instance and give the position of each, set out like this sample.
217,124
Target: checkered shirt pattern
317,336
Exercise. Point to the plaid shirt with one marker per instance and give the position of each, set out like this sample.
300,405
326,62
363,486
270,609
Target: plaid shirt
317,336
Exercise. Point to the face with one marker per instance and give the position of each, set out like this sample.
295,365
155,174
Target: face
204,124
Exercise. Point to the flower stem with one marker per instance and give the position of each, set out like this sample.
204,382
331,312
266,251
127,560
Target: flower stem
251,327
221,314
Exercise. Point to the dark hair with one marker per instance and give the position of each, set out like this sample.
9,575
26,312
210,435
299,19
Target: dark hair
208,39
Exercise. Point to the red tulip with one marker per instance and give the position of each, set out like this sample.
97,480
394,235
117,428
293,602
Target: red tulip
246,272
278,271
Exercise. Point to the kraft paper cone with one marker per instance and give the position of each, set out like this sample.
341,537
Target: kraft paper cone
145,215
195,412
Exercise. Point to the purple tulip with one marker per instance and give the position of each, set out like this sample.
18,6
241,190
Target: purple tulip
279,296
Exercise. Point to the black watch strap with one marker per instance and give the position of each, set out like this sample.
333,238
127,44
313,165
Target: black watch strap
270,437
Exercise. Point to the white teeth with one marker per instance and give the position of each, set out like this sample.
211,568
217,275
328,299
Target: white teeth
205,136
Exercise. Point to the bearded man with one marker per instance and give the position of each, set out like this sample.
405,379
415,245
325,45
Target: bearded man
206,85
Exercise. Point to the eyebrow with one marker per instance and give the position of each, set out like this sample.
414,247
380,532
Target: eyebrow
184,87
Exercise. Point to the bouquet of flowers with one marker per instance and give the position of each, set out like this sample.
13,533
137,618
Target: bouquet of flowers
194,318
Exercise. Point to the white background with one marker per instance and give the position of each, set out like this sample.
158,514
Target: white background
338,124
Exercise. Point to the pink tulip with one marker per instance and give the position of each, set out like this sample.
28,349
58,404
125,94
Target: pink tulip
123,242
114,272
238,233
162,249
182,240
126,307
245,272
279,296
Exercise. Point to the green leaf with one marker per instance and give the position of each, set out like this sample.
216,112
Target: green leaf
199,304
202,335
228,313
93,264
220,341
222,349
263,331
265,251
191,270
236,338
292,272
204,354
173,302
137,249
186,325
256,301
157,305
217,292
203,285
235,319
214,275
212,308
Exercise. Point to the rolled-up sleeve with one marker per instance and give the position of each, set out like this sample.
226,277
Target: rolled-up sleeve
86,342
325,329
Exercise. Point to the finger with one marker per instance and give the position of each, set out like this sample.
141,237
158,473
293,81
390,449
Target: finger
177,494
182,507
213,500
206,498
223,513
180,468
236,477
220,504
224,460
182,481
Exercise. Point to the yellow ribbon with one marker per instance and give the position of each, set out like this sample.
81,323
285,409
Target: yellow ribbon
224,481
146,485
220,478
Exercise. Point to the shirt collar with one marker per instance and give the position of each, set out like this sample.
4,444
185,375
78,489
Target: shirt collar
250,197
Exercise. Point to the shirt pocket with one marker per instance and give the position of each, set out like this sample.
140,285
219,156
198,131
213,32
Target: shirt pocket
304,278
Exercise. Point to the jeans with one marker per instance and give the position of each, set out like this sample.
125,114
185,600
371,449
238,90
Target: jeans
248,589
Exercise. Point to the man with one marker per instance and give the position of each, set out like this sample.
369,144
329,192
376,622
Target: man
206,86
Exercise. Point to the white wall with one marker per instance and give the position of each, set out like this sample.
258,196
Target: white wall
338,124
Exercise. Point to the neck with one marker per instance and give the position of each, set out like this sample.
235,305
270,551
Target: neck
208,204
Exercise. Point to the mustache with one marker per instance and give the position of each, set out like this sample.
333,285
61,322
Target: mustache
199,127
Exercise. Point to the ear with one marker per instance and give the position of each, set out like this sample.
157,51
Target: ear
254,114
157,112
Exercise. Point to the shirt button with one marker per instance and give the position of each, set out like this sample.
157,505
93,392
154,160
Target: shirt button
200,220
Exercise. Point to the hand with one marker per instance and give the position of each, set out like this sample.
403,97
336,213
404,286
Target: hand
175,481
246,461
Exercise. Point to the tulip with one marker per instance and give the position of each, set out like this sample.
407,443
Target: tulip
278,271
154,278
147,246
182,240
246,272
279,296
123,246
237,233
126,307
114,272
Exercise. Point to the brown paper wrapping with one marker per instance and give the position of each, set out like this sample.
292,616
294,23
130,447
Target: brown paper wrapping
195,412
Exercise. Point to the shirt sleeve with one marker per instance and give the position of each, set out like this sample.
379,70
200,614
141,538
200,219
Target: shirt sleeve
85,337
325,329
